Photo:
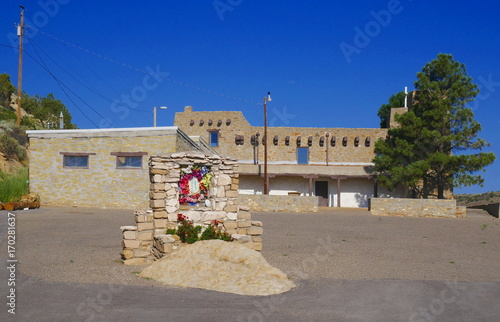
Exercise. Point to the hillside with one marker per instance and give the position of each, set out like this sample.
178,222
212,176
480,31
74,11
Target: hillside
470,200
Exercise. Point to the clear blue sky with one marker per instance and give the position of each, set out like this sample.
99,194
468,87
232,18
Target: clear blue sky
227,54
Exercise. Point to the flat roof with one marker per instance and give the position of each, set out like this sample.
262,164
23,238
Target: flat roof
131,131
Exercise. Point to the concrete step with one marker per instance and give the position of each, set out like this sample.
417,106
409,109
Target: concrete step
471,212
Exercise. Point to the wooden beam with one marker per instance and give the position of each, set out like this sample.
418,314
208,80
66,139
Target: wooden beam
338,192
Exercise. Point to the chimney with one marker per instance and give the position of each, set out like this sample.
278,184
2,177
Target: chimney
188,109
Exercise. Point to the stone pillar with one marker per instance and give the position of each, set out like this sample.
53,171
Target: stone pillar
151,240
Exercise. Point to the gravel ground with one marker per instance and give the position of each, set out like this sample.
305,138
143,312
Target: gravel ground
82,245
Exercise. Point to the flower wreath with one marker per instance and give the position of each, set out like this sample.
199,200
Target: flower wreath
194,176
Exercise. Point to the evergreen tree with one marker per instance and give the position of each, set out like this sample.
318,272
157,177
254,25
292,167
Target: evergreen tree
47,109
6,90
396,100
427,151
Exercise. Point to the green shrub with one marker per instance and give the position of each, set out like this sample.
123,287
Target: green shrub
21,153
8,146
13,186
7,114
214,231
189,233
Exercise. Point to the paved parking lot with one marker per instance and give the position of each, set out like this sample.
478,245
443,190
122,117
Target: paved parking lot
348,265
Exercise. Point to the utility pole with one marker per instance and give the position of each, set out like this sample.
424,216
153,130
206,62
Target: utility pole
266,178
20,32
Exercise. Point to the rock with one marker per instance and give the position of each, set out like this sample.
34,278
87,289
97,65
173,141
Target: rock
135,261
129,234
257,223
131,244
220,266
223,180
255,230
244,224
213,215
30,198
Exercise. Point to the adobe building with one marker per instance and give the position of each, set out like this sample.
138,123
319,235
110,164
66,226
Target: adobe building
334,164
99,167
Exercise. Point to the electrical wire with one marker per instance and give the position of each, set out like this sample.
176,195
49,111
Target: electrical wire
143,71
62,86
80,82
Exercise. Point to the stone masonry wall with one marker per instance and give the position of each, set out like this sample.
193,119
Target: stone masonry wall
276,203
358,148
416,207
101,184
148,240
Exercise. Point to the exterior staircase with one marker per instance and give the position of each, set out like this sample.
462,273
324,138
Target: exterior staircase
475,213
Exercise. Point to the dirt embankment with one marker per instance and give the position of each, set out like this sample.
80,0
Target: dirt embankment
471,200
9,166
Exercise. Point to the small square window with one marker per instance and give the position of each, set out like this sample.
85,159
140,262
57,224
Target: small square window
128,162
73,161
214,138
303,155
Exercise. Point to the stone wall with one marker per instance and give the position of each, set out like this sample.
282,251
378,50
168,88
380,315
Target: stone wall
102,184
148,240
358,146
277,203
407,207
392,115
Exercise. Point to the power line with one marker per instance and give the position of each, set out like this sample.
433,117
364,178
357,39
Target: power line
144,71
62,85
80,82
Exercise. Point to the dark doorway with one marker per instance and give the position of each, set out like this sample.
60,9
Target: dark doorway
322,193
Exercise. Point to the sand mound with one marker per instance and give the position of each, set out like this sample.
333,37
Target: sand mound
220,266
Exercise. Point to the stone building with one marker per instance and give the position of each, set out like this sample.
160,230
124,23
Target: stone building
334,164
99,167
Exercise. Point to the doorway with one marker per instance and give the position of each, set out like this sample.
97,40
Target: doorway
321,190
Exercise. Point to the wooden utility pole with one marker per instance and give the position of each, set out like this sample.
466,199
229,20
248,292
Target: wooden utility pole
20,32
266,178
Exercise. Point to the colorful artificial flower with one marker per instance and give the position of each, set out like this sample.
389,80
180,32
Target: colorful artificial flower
203,176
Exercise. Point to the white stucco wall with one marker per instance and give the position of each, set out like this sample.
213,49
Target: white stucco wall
279,185
355,192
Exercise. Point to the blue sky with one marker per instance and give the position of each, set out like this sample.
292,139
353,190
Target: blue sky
326,63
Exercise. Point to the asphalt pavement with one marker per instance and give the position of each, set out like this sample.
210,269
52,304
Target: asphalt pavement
348,266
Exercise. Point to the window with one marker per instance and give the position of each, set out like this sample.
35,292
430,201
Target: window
214,138
128,160
72,161
302,155
76,160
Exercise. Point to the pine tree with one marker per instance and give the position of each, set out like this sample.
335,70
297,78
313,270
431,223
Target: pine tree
396,100
427,151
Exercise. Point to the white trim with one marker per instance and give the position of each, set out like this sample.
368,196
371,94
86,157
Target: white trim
125,129
310,163
342,163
